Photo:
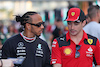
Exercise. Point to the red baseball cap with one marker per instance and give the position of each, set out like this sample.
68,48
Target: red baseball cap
75,14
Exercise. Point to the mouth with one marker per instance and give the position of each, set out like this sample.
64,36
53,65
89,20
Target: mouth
41,31
72,31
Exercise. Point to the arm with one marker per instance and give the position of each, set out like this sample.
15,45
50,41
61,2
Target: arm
6,50
56,65
97,53
6,63
48,57
56,54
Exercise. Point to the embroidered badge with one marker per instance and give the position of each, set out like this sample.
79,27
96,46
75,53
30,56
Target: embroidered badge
73,13
90,41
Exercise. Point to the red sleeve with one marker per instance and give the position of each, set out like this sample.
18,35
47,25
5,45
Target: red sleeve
97,53
56,54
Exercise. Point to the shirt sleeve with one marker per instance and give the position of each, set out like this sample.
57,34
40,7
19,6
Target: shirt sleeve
97,53
6,50
56,54
48,58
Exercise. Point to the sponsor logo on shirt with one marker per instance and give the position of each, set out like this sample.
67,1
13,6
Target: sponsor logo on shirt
90,41
21,50
39,50
53,45
89,52
54,61
62,39
67,51
54,42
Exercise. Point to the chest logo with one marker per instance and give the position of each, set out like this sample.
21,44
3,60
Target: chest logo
39,51
39,46
89,52
90,49
67,51
90,41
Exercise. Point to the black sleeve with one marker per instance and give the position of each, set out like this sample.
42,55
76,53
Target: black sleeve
6,50
48,57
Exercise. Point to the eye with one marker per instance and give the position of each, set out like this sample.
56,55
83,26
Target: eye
69,23
38,24
76,23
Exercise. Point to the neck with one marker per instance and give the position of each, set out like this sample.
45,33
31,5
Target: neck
95,19
77,38
28,34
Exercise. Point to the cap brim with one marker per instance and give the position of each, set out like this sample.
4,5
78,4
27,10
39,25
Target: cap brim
72,20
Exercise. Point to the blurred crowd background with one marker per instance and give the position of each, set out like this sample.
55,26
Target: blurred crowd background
53,13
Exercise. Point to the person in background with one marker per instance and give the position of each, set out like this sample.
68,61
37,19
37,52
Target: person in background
58,31
11,31
93,27
76,48
2,35
27,44
87,19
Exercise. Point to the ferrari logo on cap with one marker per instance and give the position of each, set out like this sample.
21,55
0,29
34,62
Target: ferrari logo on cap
67,51
90,41
73,13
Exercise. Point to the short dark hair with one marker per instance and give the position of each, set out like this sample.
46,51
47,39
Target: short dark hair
92,10
25,18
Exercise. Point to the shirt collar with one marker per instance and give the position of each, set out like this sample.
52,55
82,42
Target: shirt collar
84,35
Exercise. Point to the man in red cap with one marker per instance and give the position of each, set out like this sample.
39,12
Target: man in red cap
76,48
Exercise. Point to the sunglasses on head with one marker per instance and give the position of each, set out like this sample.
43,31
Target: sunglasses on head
38,24
77,54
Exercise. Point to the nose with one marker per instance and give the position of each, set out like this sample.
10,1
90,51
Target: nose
42,26
72,26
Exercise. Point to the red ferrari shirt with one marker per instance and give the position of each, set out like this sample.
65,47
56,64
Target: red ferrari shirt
63,51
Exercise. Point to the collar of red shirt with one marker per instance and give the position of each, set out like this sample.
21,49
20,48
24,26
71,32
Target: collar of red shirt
84,35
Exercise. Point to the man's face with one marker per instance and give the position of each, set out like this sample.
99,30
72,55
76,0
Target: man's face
75,27
35,30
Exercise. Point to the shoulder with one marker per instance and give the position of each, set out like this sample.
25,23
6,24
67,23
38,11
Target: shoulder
41,40
92,37
63,37
91,40
15,37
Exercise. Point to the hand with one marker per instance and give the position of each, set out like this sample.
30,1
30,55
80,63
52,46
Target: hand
7,63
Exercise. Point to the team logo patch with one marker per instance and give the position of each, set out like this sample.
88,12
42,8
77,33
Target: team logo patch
68,51
90,41
73,13
39,46
20,44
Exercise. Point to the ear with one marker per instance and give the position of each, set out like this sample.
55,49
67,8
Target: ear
28,26
83,23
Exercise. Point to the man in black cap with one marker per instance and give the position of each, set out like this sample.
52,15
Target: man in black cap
76,48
